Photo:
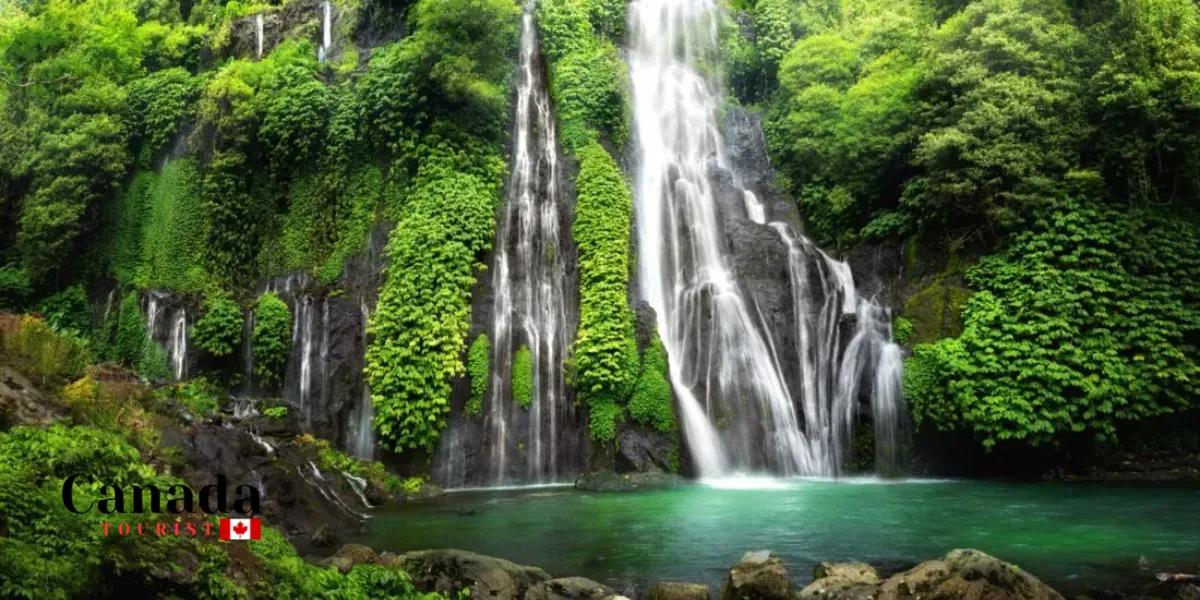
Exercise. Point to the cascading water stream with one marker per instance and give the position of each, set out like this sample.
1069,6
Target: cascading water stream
738,412
364,432
177,349
529,280
326,31
258,35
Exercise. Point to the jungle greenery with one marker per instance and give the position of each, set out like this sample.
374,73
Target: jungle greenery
1052,144
1046,150
111,432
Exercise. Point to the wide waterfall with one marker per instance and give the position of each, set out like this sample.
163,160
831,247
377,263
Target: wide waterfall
738,410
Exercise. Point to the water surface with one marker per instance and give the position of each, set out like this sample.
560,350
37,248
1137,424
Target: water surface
1073,536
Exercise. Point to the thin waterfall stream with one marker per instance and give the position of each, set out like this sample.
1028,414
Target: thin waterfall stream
529,281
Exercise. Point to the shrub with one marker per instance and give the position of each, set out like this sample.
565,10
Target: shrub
39,352
272,336
479,370
276,413
652,404
522,377
219,331
67,310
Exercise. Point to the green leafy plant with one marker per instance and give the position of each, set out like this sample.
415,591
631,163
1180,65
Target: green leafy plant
276,412
272,336
219,331
522,377
651,403
478,369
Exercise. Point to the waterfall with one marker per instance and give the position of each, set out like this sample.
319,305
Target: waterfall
248,354
887,408
529,280
359,485
302,333
258,35
738,412
326,31
177,349
364,432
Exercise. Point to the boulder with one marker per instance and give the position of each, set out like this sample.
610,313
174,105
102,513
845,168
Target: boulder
569,588
448,572
324,537
758,576
965,574
841,580
23,404
350,556
670,590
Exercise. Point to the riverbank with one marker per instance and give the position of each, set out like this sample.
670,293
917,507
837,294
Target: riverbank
962,573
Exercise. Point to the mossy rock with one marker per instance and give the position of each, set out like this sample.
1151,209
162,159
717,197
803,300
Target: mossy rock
936,310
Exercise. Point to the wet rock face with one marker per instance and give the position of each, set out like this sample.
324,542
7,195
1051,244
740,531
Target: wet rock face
286,499
758,576
276,26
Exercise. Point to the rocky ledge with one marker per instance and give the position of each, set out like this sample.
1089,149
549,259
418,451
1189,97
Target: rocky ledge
608,481
961,574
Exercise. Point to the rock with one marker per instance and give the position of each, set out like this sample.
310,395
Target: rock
350,556
608,481
448,572
22,404
643,450
758,577
1190,591
324,536
569,588
851,571
670,590
965,574
841,580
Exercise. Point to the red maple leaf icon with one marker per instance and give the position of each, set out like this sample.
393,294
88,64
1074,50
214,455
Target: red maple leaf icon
240,528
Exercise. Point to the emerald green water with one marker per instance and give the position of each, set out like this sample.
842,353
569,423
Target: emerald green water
1073,536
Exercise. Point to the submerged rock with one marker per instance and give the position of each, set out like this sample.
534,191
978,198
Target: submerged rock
758,576
607,481
670,590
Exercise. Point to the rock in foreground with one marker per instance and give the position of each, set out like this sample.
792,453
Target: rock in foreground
960,574
758,576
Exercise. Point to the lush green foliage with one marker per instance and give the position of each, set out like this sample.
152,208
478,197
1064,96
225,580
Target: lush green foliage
219,331
457,58
605,359
199,395
272,336
478,370
522,377
1085,320
67,310
160,230
651,403
588,81
35,348
276,412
